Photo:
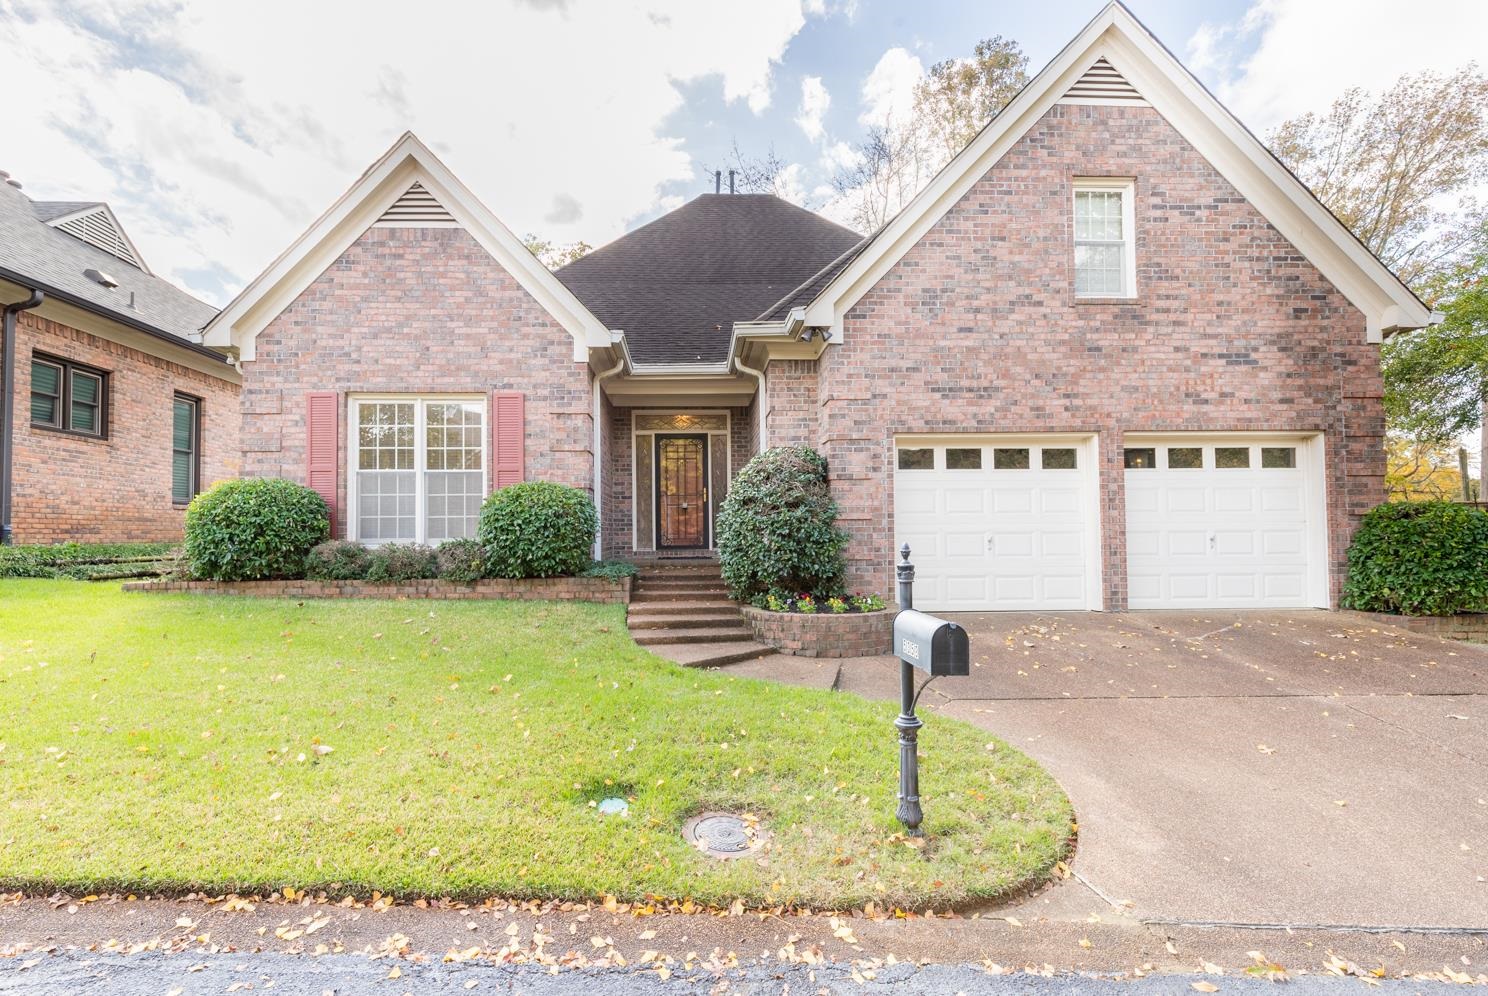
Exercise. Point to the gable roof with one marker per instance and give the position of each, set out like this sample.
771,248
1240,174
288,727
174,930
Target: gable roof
678,284
386,183
1115,58
34,251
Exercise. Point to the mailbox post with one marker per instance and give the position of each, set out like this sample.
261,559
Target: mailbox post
937,647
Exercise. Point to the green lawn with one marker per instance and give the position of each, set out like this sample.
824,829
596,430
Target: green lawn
157,743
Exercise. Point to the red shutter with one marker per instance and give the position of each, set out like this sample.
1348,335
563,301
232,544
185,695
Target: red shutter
322,439
507,438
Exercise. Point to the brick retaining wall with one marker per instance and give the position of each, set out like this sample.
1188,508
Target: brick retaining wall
607,590
1471,627
823,634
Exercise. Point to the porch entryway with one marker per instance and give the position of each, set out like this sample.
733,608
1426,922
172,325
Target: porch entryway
682,462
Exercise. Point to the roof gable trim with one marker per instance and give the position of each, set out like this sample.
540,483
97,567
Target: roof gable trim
1118,38
408,163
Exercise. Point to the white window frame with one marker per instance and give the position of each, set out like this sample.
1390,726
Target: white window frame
1125,186
353,419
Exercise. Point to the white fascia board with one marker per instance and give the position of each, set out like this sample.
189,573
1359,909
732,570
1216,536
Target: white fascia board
266,297
1215,133
680,369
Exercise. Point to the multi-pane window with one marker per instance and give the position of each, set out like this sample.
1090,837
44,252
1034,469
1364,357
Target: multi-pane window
1104,263
419,471
185,449
67,396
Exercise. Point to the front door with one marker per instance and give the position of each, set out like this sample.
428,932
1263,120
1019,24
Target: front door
682,491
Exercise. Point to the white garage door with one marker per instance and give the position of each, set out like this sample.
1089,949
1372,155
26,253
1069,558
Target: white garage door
1221,523
998,522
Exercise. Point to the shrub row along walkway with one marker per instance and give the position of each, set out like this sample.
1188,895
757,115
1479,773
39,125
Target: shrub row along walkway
680,609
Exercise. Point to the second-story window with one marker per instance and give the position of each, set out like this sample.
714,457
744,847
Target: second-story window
1105,256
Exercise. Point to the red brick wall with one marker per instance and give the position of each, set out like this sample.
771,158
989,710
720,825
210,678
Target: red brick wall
792,415
118,489
408,310
977,329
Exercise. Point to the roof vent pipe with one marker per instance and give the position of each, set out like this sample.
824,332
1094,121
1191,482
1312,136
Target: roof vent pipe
718,181
731,181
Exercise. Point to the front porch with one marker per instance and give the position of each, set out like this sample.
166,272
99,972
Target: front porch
667,474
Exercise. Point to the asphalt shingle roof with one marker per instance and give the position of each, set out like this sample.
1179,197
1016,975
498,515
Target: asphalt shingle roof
32,249
677,285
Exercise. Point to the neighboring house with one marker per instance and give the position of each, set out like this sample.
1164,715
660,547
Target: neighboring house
119,414
1115,355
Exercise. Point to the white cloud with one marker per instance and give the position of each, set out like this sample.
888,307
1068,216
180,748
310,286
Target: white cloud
814,103
888,90
839,156
220,131
1307,53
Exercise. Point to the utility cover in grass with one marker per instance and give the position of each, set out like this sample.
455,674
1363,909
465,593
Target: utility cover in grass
153,743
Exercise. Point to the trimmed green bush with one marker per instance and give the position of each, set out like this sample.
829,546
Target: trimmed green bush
338,560
461,560
76,559
537,529
257,527
777,532
612,569
1427,558
393,562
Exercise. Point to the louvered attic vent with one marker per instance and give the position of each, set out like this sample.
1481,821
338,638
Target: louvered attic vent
417,209
1102,82
98,229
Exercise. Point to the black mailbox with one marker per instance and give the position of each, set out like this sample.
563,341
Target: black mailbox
933,645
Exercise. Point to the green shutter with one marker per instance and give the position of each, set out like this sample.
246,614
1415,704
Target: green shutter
46,387
183,451
85,397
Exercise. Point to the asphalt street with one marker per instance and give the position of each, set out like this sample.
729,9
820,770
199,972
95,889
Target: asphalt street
187,974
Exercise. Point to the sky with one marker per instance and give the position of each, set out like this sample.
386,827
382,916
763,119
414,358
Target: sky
219,131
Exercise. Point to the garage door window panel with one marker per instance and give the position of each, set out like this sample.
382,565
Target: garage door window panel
961,458
917,459
1278,457
1140,458
1058,458
1185,458
1010,459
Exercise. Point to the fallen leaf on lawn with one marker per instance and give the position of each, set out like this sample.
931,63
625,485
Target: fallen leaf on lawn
1012,921
396,973
1212,969
1172,950
315,925
323,749
185,921
1084,942
1265,750
1204,987
647,935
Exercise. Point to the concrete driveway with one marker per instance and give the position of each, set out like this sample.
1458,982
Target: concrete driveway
1298,767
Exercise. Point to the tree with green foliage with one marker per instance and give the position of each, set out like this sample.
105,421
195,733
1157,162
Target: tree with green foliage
1400,172
554,255
954,101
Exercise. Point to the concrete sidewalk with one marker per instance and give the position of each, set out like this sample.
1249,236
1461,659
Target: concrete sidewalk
1301,768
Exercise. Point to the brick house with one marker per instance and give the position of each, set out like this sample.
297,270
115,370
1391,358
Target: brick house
1114,356
120,413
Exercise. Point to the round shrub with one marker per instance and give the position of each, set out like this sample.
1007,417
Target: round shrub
777,532
1426,558
537,529
253,528
337,560
461,560
394,562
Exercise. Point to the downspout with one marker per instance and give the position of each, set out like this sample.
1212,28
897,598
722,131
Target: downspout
599,455
763,401
7,408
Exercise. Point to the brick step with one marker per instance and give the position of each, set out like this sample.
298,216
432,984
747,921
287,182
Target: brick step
713,654
684,567
715,598
672,606
691,619
667,637
697,582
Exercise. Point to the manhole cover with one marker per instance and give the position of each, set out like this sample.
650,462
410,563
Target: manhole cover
722,835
